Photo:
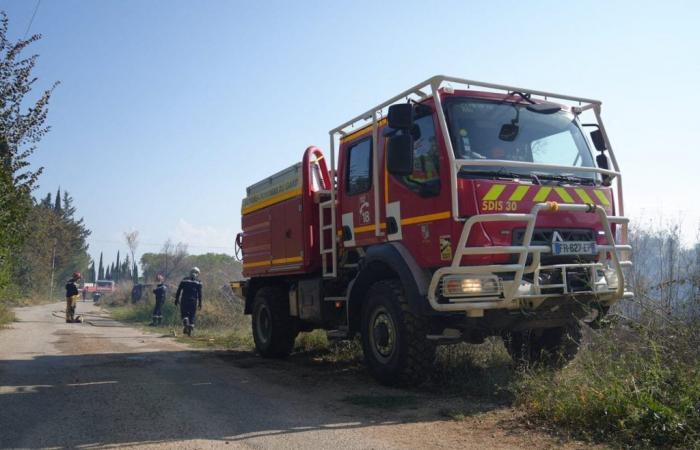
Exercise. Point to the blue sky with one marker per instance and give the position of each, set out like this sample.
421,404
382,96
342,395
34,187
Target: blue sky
168,109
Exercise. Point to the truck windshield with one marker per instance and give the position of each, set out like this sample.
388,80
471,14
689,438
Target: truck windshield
477,130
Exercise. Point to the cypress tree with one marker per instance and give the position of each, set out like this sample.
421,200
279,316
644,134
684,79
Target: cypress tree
116,274
57,205
101,270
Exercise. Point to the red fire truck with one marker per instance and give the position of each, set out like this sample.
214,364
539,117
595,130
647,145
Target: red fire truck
457,210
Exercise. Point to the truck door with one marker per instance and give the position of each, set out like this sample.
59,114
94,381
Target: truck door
418,205
357,193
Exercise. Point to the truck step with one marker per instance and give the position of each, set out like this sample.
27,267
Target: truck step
448,335
340,333
335,299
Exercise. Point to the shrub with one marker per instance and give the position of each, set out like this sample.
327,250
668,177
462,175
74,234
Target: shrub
632,384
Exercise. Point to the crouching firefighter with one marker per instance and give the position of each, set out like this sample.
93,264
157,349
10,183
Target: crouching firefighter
72,296
189,296
159,292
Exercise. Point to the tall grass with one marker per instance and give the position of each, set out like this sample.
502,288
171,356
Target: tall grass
220,322
632,384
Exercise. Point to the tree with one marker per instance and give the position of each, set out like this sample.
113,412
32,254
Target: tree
101,270
66,246
169,261
57,205
132,241
115,273
22,126
91,272
125,269
46,202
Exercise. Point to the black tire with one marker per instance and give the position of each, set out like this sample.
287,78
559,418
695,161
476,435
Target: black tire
274,330
551,347
394,342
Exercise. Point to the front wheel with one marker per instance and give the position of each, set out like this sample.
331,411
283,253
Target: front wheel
394,340
274,330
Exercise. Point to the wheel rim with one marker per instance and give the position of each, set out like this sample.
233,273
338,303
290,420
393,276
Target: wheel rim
263,324
382,334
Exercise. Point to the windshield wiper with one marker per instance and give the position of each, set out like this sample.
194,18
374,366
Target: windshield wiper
500,173
567,178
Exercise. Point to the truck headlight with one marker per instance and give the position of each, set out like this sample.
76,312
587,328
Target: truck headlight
470,286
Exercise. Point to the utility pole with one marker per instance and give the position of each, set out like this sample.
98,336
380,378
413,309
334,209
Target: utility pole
53,266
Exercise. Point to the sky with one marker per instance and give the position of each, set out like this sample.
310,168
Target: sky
167,110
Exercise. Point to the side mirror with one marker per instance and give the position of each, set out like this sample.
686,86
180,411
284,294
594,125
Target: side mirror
598,141
399,160
400,117
604,162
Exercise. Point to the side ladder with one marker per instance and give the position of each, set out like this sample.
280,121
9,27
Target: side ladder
327,238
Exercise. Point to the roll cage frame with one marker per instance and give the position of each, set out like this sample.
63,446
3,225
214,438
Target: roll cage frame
431,88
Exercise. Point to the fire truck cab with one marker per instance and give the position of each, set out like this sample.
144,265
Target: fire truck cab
457,210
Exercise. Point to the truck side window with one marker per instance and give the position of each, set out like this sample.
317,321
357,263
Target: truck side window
359,173
425,179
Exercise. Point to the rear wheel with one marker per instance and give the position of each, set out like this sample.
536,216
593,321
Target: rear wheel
394,340
274,330
553,347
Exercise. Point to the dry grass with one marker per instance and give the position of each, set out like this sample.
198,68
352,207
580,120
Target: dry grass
631,385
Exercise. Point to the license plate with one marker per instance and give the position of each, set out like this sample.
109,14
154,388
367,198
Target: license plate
574,248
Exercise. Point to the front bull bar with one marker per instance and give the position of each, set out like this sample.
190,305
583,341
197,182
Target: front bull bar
511,295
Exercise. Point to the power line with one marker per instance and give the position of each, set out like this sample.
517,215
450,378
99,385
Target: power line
31,21
154,244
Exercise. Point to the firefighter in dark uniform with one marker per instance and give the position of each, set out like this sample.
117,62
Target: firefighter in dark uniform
159,292
72,297
189,296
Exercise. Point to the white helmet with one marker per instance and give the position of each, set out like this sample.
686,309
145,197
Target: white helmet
194,272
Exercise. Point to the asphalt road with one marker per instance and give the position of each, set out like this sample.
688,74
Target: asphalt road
103,384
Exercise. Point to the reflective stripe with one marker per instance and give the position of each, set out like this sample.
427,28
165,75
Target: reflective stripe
282,196
542,194
603,199
564,195
494,192
426,218
276,261
519,193
584,196
408,221
366,228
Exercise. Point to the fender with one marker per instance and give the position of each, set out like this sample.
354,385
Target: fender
389,260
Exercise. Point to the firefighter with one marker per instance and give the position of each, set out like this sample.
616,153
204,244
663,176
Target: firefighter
72,296
189,296
159,292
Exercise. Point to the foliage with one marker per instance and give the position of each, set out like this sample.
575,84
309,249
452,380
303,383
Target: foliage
22,125
64,250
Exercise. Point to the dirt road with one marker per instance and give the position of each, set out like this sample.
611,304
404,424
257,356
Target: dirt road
102,384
